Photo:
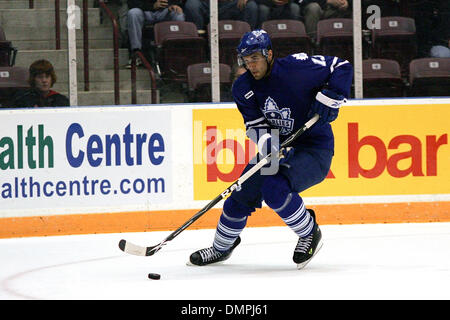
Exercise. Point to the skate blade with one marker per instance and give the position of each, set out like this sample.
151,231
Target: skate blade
190,264
303,264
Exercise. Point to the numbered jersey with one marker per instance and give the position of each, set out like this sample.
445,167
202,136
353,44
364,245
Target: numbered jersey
283,99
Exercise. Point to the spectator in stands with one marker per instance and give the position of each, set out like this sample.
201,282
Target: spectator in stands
432,20
440,51
236,71
197,11
122,13
315,10
277,9
120,8
149,12
42,78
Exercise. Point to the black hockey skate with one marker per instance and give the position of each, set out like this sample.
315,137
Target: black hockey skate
210,255
308,247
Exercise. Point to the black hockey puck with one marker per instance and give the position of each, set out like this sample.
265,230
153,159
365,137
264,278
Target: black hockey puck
154,276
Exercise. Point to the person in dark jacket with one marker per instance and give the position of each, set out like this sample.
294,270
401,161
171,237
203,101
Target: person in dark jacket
432,18
42,78
150,11
198,11
315,10
277,9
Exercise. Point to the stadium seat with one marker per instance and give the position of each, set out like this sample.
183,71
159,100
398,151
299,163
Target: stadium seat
199,82
335,38
288,37
230,34
7,51
429,77
11,80
178,45
382,78
395,40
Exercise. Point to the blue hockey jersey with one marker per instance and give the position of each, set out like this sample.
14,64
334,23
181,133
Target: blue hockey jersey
283,99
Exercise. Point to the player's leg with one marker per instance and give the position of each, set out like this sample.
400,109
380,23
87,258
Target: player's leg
279,196
280,192
233,220
231,223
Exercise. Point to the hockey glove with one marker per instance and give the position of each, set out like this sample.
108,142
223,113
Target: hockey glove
327,105
286,154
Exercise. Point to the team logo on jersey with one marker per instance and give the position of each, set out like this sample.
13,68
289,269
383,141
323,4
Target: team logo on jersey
279,118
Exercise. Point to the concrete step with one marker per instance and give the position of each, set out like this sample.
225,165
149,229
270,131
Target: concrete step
105,98
26,38
51,44
104,75
39,4
98,58
14,33
38,18
104,85
103,80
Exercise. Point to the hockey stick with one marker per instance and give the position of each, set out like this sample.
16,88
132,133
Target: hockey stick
131,248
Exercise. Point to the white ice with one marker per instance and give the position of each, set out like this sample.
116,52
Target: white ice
378,261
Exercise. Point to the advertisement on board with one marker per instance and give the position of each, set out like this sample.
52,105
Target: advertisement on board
85,158
379,150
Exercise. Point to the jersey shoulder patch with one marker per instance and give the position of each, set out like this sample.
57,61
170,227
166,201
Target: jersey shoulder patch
249,94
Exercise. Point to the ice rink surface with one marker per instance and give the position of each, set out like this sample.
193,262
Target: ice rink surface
378,261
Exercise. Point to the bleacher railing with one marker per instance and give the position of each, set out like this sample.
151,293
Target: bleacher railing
115,50
115,27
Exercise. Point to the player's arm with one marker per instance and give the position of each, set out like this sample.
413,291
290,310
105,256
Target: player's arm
338,75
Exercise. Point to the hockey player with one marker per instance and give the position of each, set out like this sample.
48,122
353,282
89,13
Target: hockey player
277,96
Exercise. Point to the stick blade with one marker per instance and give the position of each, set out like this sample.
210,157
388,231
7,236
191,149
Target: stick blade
131,248
152,250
